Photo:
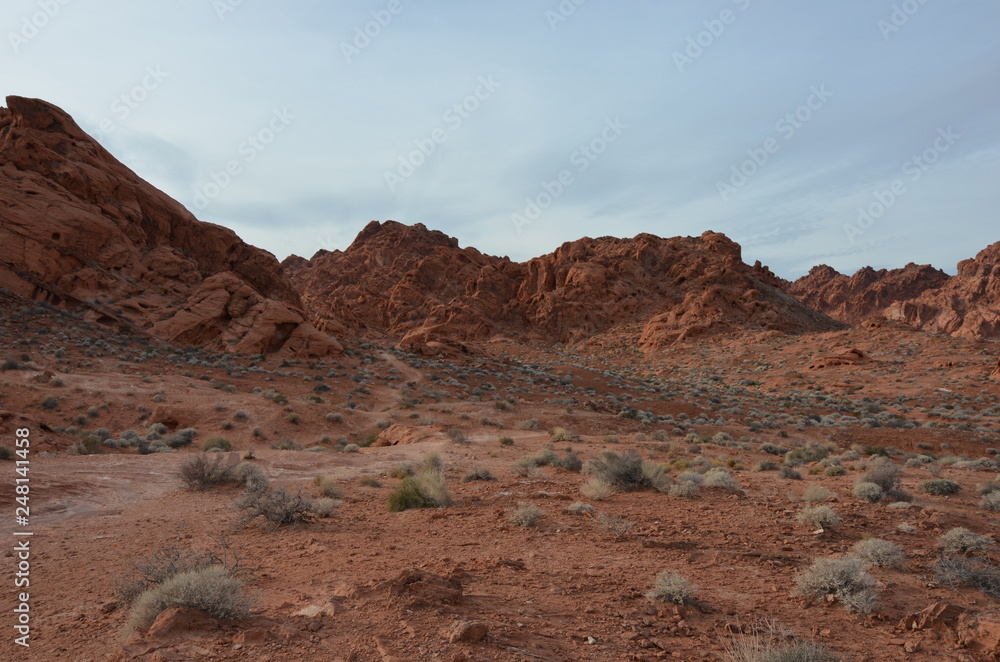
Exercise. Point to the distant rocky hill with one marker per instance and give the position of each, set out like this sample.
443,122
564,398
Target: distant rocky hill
81,230
420,287
966,305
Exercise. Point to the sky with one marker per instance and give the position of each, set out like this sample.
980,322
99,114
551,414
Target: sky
849,133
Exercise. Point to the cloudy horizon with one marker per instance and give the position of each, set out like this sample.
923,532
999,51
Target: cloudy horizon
850,134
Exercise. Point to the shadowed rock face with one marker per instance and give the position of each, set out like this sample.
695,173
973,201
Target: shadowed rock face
869,292
420,287
81,230
966,305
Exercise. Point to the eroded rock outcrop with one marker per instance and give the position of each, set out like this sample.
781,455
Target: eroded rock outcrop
420,288
81,230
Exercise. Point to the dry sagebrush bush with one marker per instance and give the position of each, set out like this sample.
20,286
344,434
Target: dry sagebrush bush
962,541
526,514
819,517
846,578
212,590
671,586
866,491
597,489
201,472
879,553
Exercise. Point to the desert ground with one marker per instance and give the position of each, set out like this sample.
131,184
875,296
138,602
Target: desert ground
525,553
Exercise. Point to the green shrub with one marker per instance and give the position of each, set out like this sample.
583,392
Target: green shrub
217,443
940,486
845,578
766,465
836,470
671,586
211,590
789,474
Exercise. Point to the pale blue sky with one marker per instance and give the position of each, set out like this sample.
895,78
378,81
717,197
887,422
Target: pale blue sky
338,115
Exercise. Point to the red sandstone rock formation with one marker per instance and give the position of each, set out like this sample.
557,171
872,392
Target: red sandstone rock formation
81,230
421,288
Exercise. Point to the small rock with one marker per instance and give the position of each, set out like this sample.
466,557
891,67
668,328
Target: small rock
466,632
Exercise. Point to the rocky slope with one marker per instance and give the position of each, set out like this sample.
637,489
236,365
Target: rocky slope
81,230
420,287
967,304
869,292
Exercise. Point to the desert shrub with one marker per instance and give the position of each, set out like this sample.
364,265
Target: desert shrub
50,403
526,514
885,474
597,489
990,501
615,524
562,434
477,473
324,507
457,436
328,487
201,472
240,415
352,448
940,486
543,457
960,540
11,364
88,445
6,454
766,465
879,553
252,477
217,443
656,476
293,418
530,424
816,493
334,418
671,586
766,642
789,474
979,574
167,561
720,477
806,454
867,491
623,472
182,438
277,506
685,489
771,449
819,517
835,470
579,508
426,489
506,441
212,590
846,578
570,462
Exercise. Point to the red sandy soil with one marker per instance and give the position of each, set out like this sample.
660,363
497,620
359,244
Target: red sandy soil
566,589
